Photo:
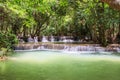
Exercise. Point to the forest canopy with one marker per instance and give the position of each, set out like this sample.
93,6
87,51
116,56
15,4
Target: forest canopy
93,19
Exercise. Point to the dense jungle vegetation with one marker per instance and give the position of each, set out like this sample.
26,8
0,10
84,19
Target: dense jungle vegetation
93,19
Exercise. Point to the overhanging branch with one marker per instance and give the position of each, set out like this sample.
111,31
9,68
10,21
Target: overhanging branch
113,3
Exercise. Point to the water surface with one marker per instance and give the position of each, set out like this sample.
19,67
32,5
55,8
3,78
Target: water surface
57,65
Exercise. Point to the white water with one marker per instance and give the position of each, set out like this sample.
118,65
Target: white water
44,39
67,48
46,56
52,39
64,39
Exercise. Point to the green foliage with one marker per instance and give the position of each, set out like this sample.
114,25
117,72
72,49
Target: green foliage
90,18
7,40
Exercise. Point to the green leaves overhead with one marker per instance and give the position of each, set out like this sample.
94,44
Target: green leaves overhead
90,18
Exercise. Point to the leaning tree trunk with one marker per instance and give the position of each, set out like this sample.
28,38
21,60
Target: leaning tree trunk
113,3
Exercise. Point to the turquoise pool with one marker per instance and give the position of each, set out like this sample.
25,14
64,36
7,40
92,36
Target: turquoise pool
57,65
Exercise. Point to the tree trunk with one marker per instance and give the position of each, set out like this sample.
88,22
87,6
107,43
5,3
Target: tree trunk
101,27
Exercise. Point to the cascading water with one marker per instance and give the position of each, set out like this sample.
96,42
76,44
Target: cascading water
44,39
30,39
83,48
67,47
66,40
52,39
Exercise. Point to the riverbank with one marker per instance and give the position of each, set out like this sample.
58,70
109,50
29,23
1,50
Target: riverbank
4,55
3,58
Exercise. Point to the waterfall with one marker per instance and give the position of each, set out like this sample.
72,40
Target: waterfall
66,40
44,39
67,47
52,39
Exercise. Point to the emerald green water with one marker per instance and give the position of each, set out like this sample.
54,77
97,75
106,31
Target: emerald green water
49,65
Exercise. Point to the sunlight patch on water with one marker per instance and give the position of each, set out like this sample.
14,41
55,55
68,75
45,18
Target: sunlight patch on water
50,56
34,57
